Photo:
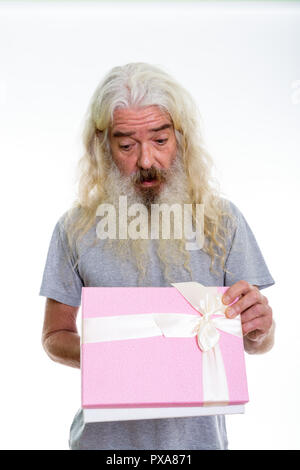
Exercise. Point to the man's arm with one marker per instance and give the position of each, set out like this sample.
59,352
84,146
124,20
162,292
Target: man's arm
256,316
60,338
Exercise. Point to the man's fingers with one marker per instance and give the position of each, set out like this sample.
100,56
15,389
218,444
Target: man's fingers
237,289
251,326
253,297
262,324
254,335
253,312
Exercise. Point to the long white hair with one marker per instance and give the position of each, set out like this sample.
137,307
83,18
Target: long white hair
139,85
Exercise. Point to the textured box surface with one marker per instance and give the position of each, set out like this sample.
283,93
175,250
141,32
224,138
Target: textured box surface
154,371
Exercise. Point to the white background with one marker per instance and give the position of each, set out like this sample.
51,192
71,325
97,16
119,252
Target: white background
241,62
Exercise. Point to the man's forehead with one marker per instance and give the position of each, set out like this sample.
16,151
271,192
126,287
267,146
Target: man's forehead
147,117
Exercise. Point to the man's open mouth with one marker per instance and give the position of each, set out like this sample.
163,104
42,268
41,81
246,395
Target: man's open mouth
147,179
150,177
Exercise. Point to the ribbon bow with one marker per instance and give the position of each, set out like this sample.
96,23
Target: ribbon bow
207,334
208,302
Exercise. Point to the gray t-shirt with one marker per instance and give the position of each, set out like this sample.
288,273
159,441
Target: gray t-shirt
63,282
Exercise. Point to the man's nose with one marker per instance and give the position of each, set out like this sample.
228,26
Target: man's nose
146,157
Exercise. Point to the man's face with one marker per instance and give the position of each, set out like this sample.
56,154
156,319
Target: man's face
143,143
143,146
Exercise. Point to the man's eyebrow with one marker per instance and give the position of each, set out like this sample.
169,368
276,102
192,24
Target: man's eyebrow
122,134
161,128
128,134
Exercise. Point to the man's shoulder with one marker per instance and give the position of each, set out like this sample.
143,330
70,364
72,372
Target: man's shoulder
66,226
230,211
235,221
69,218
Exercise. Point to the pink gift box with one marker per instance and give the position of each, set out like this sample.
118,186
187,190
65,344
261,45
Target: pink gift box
156,372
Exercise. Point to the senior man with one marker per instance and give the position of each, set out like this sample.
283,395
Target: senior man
142,141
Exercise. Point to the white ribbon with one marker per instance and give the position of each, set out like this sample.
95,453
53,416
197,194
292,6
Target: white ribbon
208,302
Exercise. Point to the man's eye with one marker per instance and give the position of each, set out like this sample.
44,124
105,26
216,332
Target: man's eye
161,141
125,147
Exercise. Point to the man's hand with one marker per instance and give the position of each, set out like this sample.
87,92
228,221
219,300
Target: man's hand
256,316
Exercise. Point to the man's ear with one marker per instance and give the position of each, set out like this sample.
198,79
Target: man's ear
93,141
99,133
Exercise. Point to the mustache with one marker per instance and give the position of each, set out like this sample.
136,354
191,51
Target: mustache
148,175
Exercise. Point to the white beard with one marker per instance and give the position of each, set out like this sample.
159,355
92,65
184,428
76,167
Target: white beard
174,190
